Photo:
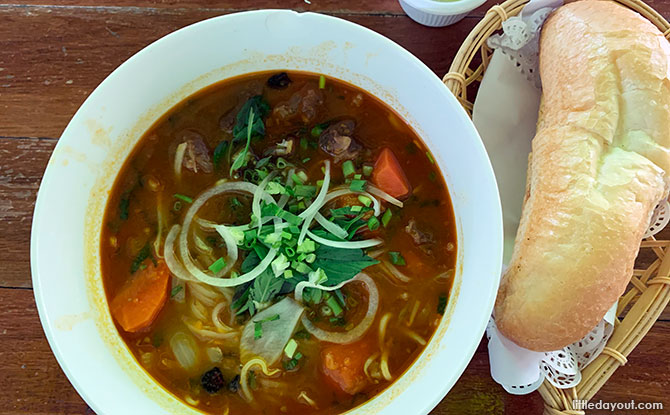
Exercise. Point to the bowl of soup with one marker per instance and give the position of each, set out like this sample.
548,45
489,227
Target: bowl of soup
267,212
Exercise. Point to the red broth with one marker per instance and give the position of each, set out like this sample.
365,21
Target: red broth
187,334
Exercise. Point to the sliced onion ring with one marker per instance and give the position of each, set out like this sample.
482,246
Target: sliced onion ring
362,327
366,243
175,267
382,194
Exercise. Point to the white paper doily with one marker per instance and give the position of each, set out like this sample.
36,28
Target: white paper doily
512,77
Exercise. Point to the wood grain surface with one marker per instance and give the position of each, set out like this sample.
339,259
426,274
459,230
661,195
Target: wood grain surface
53,55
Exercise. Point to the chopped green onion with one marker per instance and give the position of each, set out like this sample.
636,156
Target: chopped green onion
262,162
318,129
430,157
306,191
397,258
123,207
373,223
289,217
357,185
348,168
322,82
297,179
310,258
177,206
289,251
258,325
183,197
286,235
365,200
432,176
358,176
176,290
306,246
301,267
306,159
356,208
386,217
281,163
441,303
303,176
304,143
291,348
335,306
218,265
367,170
288,274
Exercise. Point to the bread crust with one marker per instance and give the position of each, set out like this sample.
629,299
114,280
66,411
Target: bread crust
599,166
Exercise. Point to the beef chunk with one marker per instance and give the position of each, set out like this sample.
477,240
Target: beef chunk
420,237
337,140
196,156
279,81
227,121
303,105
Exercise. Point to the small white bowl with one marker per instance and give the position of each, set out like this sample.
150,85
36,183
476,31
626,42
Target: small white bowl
439,13
65,241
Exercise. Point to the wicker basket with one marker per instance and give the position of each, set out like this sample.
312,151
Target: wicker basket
649,290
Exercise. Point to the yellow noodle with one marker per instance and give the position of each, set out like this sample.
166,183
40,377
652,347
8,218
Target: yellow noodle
383,322
412,316
384,366
310,402
216,319
244,376
368,362
414,336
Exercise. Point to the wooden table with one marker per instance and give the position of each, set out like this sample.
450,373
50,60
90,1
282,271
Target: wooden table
52,56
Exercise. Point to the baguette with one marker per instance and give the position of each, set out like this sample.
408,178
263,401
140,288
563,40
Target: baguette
600,164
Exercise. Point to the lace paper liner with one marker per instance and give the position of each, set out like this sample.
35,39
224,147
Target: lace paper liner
520,371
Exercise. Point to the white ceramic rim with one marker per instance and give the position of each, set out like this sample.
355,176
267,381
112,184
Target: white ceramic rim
443,8
418,391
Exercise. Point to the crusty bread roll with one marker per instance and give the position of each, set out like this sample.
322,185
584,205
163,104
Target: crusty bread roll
599,165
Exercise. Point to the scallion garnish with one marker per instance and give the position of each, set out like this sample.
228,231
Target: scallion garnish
367,170
373,223
183,197
218,265
305,191
291,348
430,157
357,185
258,325
334,306
365,200
397,258
386,217
322,82
348,168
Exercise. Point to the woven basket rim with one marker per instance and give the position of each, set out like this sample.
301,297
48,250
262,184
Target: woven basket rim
649,291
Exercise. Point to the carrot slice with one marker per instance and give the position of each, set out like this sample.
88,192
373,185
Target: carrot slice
389,176
140,300
342,364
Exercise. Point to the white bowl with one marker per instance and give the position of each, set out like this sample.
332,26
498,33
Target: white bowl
439,13
68,214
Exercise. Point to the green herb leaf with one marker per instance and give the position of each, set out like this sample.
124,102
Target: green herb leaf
341,264
397,258
176,290
219,153
441,303
241,158
124,203
348,168
143,255
358,185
